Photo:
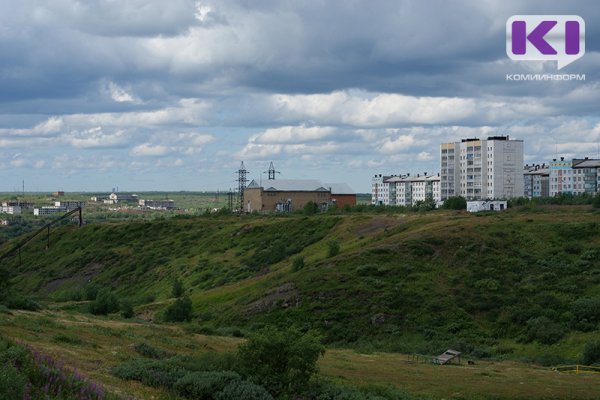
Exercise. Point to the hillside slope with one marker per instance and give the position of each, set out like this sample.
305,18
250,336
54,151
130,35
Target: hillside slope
485,284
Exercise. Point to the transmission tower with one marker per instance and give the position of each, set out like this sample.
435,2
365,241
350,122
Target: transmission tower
271,172
242,180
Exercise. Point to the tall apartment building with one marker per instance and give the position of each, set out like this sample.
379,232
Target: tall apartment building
574,176
482,169
380,194
536,180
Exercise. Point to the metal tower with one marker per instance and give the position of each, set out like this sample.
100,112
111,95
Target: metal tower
242,180
272,172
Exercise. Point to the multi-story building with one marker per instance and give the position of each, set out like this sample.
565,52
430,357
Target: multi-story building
157,204
576,176
536,180
405,190
22,204
482,169
10,210
70,204
48,210
380,193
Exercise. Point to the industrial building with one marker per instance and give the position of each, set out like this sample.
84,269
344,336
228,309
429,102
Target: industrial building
286,195
478,169
22,204
486,205
115,198
157,204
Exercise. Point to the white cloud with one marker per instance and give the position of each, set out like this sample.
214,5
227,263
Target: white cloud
293,134
95,138
120,95
147,149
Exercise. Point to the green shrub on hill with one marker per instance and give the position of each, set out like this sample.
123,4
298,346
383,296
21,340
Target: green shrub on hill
179,311
105,303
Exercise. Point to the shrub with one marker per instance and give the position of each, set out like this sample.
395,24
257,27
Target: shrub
151,352
126,309
281,361
106,302
179,311
202,385
456,203
243,390
12,383
150,372
178,288
20,302
544,330
90,292
591,353
333,248
596,200
298,264
311,208
587,309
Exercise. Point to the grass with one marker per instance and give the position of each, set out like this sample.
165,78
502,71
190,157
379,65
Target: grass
108,342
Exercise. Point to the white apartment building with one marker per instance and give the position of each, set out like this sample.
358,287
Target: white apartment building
14,210
482,169
70,204
48,210
380,194
405,190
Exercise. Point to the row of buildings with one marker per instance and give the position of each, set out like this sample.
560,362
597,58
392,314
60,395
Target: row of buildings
486,169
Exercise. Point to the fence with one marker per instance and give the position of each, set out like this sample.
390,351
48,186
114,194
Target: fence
578,369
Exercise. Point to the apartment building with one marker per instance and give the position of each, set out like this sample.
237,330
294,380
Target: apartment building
405,190
482,169
536,180
576,176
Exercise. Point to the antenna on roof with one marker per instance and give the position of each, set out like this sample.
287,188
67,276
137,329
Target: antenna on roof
271,172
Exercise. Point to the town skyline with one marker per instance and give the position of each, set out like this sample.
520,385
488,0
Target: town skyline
173,96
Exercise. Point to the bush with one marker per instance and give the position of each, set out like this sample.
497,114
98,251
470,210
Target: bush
243,390
587,309
596,200
90,292
281,361
298,264
178,288
150,372
203,385
591,353
179,311
151,352
455,203
333,248
12,383
106,302
544,330
311,208
20,302
127,309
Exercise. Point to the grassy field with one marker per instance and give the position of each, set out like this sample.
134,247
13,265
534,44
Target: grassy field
93,345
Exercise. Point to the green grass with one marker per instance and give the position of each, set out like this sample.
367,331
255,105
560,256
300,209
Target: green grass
410,283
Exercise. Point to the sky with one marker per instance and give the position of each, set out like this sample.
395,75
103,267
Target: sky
173,95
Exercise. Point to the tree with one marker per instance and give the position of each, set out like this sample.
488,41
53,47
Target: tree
455,203
333,248
282,361
179,311
178,288
591,353
596,200
106,302
311,208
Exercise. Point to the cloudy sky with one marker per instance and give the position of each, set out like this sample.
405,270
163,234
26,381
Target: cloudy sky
172,95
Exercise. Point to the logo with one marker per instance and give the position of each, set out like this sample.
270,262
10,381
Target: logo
545,38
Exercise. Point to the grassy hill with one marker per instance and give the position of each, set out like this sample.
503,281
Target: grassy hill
520,284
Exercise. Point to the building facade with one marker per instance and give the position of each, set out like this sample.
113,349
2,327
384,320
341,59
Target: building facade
70,204
405,190
14,210
286,195
48,210
478,169
536,181
157,204
576,176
